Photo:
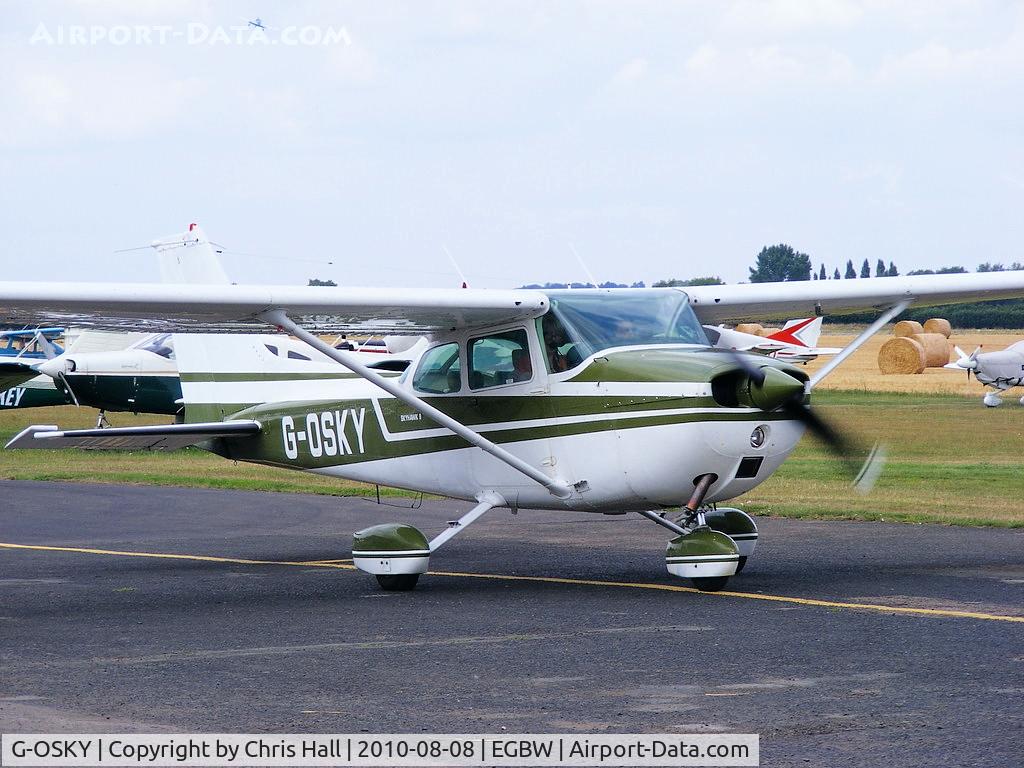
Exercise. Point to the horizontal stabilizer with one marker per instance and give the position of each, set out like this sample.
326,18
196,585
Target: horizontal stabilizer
157,438
13,374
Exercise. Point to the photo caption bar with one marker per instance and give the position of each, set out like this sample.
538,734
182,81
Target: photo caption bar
395,749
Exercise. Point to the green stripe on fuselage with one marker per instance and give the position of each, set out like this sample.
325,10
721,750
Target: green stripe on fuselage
366,441
31,397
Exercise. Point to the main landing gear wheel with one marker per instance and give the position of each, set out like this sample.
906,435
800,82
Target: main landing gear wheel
711,584
395,553
401,583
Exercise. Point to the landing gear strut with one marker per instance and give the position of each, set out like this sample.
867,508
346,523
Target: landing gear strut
397,553
101,420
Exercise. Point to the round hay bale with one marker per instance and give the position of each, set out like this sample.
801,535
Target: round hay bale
768,331
907,328
938,325
901,355
752,328
936,348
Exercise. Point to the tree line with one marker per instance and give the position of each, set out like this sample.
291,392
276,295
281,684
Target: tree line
783,263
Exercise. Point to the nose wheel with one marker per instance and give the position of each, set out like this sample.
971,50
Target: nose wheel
705,556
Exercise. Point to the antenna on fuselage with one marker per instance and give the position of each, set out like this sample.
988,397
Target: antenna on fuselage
462,277
586,270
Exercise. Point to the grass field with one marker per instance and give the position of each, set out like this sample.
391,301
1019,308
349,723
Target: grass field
950,461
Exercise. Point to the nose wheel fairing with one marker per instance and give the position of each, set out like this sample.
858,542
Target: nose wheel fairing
702,554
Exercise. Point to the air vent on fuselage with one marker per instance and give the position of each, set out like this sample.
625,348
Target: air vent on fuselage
749,467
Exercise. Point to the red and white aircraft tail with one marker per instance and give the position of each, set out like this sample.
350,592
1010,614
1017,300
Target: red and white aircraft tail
796,342
799,333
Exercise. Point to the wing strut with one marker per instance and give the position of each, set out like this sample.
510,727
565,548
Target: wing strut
281,320
857,343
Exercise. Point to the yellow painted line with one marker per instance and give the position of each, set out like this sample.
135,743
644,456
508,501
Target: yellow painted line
167,556
746,595
341,565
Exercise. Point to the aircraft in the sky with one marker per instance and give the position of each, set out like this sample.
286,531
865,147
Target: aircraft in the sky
606,401
797,342
1001,370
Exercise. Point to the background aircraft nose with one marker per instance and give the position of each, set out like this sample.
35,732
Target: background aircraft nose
52,368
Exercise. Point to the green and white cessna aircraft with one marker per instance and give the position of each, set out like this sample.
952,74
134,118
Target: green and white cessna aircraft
604,401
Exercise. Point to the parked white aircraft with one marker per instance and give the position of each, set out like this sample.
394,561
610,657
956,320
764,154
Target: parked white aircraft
1001,370
797,342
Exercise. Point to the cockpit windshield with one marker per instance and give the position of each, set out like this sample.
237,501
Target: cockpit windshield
582,322
161,344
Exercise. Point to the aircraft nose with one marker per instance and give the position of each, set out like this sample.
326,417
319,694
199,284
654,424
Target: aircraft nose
52,368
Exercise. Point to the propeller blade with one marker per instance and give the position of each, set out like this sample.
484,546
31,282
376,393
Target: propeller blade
67,387
863,474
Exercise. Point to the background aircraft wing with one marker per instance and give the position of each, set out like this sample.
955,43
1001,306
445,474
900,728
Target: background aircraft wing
14,374
721,303
235,308
157,438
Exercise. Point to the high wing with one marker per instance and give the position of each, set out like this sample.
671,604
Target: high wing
235,308
721,303
244,308
156,438
28,333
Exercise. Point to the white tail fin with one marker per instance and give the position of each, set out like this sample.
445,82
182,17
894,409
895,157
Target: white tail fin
78,340
804,332
189,257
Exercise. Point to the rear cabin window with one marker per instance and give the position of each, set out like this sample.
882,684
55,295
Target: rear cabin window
503,358
162,345
439,371
296,356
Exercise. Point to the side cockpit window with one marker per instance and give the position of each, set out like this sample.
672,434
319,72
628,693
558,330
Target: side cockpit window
161,345
503,358
439,371
560,352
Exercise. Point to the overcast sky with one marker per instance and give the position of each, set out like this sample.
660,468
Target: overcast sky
661,139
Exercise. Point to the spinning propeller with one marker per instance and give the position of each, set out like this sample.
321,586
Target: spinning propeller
769,388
